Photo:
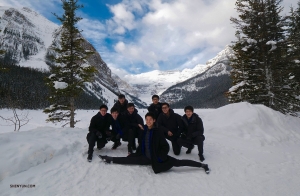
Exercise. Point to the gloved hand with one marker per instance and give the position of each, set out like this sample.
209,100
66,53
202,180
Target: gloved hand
99,134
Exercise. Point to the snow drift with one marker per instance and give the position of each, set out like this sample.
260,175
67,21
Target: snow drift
251,150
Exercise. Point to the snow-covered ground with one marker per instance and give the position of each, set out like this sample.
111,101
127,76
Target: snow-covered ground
251,150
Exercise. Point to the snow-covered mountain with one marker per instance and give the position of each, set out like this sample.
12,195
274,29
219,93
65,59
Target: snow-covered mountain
27,36
156,82
205,89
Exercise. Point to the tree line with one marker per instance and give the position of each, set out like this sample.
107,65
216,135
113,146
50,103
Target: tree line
25,87
266,63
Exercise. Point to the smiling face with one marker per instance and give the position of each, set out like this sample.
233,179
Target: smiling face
103,111
165,109
189,113
150,121
130,110
115,115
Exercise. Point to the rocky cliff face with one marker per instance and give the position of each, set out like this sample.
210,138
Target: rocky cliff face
20,37
205,90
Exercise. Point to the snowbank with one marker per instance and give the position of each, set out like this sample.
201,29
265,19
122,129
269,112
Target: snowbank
251,150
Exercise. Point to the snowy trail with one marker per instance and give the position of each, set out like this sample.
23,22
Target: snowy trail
251,151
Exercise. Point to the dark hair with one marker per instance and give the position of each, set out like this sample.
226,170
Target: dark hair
150,114
130,105
121,96
155,96
114,109
189,108
103,106
165,104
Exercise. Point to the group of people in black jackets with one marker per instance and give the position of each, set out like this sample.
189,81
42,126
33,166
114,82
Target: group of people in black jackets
162,123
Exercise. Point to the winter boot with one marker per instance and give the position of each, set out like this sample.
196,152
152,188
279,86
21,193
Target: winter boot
90,157
206,169
116,145
106,159
189,150
201,157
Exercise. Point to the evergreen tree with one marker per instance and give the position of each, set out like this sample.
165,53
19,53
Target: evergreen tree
293,60
260,55
71,68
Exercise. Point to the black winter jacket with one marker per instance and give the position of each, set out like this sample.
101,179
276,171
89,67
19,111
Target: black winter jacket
118,125
100,123
156,109
171,123
132,120
160,160
193,127
122,108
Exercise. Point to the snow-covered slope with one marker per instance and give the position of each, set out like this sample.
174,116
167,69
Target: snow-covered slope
26,35
205,90
155,82
251,150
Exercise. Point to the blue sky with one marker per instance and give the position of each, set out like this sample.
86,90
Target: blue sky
135,36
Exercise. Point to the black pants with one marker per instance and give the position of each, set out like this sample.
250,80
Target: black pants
176,147
143,160
198,140
132,134
92,138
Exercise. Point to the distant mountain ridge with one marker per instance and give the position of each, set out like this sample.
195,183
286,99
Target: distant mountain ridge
156,82
205,90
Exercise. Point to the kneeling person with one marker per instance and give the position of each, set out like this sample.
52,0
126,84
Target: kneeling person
193,132
117,124
98,129
171,124
153,151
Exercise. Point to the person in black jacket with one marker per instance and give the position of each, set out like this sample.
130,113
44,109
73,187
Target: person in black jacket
155,107
133,124
193,132
118,125
171,124
98,129
153,151
121,104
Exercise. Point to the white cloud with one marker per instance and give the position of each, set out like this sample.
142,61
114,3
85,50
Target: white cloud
92,29
174,28
120,47
155,31
123,19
